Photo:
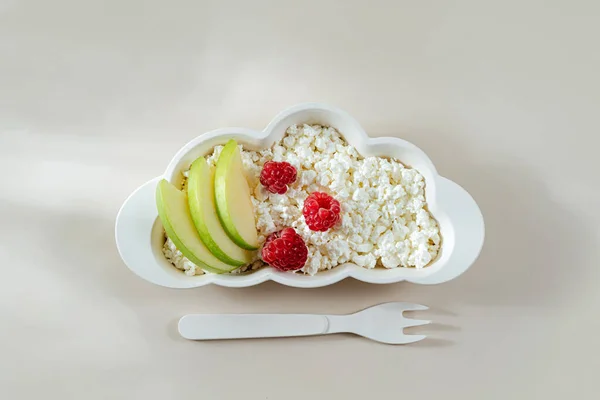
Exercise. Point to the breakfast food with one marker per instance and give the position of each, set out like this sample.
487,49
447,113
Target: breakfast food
311,191
276,176
174,214
201,200
285,250
321,211
232,197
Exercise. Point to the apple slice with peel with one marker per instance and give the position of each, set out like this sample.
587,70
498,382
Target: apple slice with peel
201,198
232,196
174,214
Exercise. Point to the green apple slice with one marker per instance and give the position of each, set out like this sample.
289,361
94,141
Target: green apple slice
201,198
232,196
174,214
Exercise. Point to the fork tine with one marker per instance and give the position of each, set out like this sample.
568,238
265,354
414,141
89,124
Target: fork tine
416,322
415,307
411,339
401,306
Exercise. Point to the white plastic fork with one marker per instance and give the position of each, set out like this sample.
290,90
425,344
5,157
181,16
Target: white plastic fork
383,323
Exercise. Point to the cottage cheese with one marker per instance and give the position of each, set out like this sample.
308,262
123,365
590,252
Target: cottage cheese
384,219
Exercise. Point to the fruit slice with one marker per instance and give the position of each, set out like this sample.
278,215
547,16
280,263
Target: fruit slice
232,196
201,198
175,216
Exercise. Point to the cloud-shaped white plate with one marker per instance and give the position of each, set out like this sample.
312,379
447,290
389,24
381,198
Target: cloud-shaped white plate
139,233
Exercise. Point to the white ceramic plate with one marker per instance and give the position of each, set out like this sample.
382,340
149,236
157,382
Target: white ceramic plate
139,233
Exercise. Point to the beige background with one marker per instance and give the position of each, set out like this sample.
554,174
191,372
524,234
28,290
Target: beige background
96,96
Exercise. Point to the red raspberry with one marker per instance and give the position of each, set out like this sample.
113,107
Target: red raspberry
275,176
321,211
285,250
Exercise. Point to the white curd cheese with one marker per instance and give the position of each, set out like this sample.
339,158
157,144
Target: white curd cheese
384,220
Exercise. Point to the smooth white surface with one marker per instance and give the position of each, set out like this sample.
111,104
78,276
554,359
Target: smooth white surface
382,323
245,326
460,220
96,97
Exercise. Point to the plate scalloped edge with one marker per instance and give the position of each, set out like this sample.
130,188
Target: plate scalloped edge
452,205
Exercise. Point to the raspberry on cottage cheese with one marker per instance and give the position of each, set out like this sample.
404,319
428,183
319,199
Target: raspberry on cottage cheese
384,219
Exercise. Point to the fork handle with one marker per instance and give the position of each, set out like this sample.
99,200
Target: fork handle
241,326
